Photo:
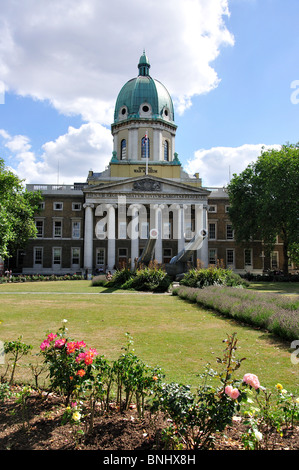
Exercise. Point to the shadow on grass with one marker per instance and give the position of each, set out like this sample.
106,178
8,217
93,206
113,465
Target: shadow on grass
266,335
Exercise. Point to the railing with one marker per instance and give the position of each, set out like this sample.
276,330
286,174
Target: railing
55,187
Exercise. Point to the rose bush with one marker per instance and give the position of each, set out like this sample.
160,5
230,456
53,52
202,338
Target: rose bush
68,361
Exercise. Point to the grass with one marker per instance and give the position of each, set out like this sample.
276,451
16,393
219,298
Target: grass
167,331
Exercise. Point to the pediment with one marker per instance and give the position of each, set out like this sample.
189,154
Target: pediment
146,185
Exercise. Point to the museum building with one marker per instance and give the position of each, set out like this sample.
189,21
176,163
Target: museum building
107,221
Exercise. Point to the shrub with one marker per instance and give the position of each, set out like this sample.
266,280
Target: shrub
212,276
150,279
143,279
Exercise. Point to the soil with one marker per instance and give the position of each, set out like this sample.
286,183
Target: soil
41,428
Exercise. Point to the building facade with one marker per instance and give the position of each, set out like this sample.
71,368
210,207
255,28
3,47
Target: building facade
107,221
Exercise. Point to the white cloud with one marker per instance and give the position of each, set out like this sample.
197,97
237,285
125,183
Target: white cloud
216,165
65,160
78,54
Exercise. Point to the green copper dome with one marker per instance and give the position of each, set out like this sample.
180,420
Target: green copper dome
143,98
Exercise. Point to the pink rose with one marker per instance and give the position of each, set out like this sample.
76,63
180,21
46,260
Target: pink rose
51,336
252,380
45,344
232,392
59,343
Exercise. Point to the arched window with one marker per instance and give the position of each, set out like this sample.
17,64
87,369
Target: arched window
123,149
166,151
145,147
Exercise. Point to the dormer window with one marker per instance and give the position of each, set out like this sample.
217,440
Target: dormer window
145,110
123,113
166,114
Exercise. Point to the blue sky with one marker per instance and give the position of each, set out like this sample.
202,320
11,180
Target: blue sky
229,65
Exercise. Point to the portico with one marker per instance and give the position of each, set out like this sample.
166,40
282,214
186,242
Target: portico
123,215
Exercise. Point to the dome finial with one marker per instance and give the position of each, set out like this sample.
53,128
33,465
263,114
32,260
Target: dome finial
144,65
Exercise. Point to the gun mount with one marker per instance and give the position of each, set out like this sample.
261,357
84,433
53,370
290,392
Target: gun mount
178,264
147,253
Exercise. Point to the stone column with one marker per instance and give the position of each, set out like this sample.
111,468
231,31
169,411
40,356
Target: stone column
111,236
133,210
181,234
158,226
88,239
201,224
205,252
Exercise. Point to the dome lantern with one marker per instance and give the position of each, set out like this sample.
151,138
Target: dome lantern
144,65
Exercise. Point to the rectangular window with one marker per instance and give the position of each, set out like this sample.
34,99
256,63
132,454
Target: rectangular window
212,231
213,208
188,230
39,224
248,257
229,232
56,257
57,228
100,261
76,229
38,256
212,256
76,256
167,255
76,206
144,230
166,230
58,206
230,257
274,259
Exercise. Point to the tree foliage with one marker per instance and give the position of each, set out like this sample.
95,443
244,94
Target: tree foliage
264,200
17,208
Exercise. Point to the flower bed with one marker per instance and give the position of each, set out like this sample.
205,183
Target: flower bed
87,391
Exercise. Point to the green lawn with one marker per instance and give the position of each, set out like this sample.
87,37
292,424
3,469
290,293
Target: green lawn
167,331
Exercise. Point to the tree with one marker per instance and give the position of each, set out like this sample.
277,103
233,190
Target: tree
264,201
17,209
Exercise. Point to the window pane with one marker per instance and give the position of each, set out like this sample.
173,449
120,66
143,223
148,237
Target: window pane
101,256
230,256
38,255
123,150
144,230
166,151
57,228
212,256
212,231
76,229
39,226
75,255
247,255
145,147
229,232
56,255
